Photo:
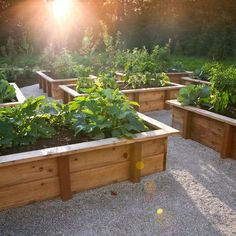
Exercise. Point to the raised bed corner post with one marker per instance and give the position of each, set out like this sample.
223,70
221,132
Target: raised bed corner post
49,89
64,178
136,99
136,164
167,97
227,142
40,81
187,125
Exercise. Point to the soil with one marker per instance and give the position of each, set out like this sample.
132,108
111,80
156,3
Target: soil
61,138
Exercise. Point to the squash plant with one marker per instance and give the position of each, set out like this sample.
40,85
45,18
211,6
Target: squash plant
7,91
103,113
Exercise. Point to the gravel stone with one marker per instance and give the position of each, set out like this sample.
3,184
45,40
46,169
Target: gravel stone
197,194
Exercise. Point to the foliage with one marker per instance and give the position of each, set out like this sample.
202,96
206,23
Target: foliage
48,57
223,88
140,80
220,97
205,72
84,71
102,114
7,91
161,58
177,66
89,43
84,82
194,95
64,66
107,79
26,123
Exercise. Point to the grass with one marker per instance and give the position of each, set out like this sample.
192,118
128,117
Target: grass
192,62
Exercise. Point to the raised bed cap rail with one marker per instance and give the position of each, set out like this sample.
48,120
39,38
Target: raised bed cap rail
47,173
213,130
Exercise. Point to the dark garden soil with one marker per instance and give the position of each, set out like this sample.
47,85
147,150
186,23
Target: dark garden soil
61,138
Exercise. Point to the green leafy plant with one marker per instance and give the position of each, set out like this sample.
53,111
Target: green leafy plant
84,82
107,79
194,95
64,66
26,123
140,80
84,71
104,113
7,91
223,88
205,72
161,58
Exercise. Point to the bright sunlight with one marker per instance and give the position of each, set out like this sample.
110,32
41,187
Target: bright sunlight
61,8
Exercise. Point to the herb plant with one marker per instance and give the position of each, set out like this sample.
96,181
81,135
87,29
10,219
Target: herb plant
7,91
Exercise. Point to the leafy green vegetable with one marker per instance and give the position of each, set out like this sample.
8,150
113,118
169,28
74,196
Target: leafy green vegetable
220,97
140,80
205,72
223,88
102,114
7,91
26,123
194,95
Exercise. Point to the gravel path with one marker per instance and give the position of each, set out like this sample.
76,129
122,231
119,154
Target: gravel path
195,196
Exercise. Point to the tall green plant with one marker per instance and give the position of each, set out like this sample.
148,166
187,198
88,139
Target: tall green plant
7,91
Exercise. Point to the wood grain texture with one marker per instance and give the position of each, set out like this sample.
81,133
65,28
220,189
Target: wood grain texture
64,177
215,131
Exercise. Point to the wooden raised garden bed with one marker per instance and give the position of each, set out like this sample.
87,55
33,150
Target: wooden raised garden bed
215,131
44,174
188,80
176,77
20,98
150,99
51,86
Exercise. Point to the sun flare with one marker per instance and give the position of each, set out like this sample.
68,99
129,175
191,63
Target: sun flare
61,8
